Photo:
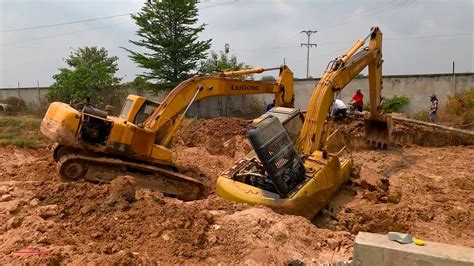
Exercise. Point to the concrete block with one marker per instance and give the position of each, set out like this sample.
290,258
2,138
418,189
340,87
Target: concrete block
376,249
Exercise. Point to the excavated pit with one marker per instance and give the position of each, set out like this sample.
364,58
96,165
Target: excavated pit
414,187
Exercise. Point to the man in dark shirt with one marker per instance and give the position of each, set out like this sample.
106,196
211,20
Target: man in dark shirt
433,109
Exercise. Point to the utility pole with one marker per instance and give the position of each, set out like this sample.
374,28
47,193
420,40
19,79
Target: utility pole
454,77
308,45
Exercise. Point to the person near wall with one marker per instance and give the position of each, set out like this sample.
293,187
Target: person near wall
433,108
358,99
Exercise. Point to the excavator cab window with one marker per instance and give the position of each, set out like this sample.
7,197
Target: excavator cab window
145,111
126,109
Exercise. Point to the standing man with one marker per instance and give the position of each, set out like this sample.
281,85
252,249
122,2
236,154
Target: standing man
434,108
358,99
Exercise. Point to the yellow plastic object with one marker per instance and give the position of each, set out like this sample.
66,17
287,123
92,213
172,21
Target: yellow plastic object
418,242
325,178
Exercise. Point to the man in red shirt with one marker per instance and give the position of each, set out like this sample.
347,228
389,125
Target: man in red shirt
358,99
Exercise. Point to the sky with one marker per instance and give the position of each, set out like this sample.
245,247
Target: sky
420,36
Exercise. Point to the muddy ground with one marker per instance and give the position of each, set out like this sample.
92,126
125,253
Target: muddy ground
426,191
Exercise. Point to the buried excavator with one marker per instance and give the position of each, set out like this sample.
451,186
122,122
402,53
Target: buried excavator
291,168
140,138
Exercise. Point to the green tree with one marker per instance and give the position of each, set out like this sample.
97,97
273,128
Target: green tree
267,78
221,62
167,29
91,73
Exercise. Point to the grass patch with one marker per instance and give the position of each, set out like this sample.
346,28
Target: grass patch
22,132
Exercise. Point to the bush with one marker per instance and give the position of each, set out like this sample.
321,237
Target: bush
422,115
395,104
459,110
15,105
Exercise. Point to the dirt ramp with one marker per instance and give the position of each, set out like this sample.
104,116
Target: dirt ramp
206,147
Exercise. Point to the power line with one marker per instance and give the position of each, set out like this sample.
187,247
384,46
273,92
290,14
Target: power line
94,19
387,7
374,11
65,23
429,36
221,4
67,33
338,42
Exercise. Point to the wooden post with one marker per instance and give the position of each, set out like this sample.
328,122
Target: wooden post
19,94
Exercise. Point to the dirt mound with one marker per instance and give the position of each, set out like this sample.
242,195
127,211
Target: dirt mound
206,147
410,190
403,135
75,222
427,192
219,136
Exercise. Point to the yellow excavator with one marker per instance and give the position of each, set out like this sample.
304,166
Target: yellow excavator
292,168
140,138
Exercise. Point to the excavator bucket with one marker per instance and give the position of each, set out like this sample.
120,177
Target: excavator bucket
378,131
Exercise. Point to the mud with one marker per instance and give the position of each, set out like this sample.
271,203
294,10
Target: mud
425,191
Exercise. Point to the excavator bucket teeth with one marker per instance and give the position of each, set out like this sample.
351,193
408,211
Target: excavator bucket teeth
378,132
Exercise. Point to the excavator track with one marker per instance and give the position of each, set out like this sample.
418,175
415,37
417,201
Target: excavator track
73,167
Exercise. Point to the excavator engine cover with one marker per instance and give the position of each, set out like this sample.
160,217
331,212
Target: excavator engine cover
277,154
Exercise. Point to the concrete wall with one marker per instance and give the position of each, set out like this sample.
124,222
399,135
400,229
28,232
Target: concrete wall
31,95
417,88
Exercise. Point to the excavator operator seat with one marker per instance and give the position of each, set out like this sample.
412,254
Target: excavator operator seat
277,154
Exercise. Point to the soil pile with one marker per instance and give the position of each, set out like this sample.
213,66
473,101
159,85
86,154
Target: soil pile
427,192
119,223
404,135
207,147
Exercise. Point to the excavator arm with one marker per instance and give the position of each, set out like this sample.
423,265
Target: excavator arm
339,73
166,119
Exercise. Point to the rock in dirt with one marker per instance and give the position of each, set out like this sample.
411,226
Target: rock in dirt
394,196
3,190
6,197
122,188
14,222
48,211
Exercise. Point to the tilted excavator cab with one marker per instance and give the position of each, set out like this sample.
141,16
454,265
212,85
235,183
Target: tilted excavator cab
272,144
